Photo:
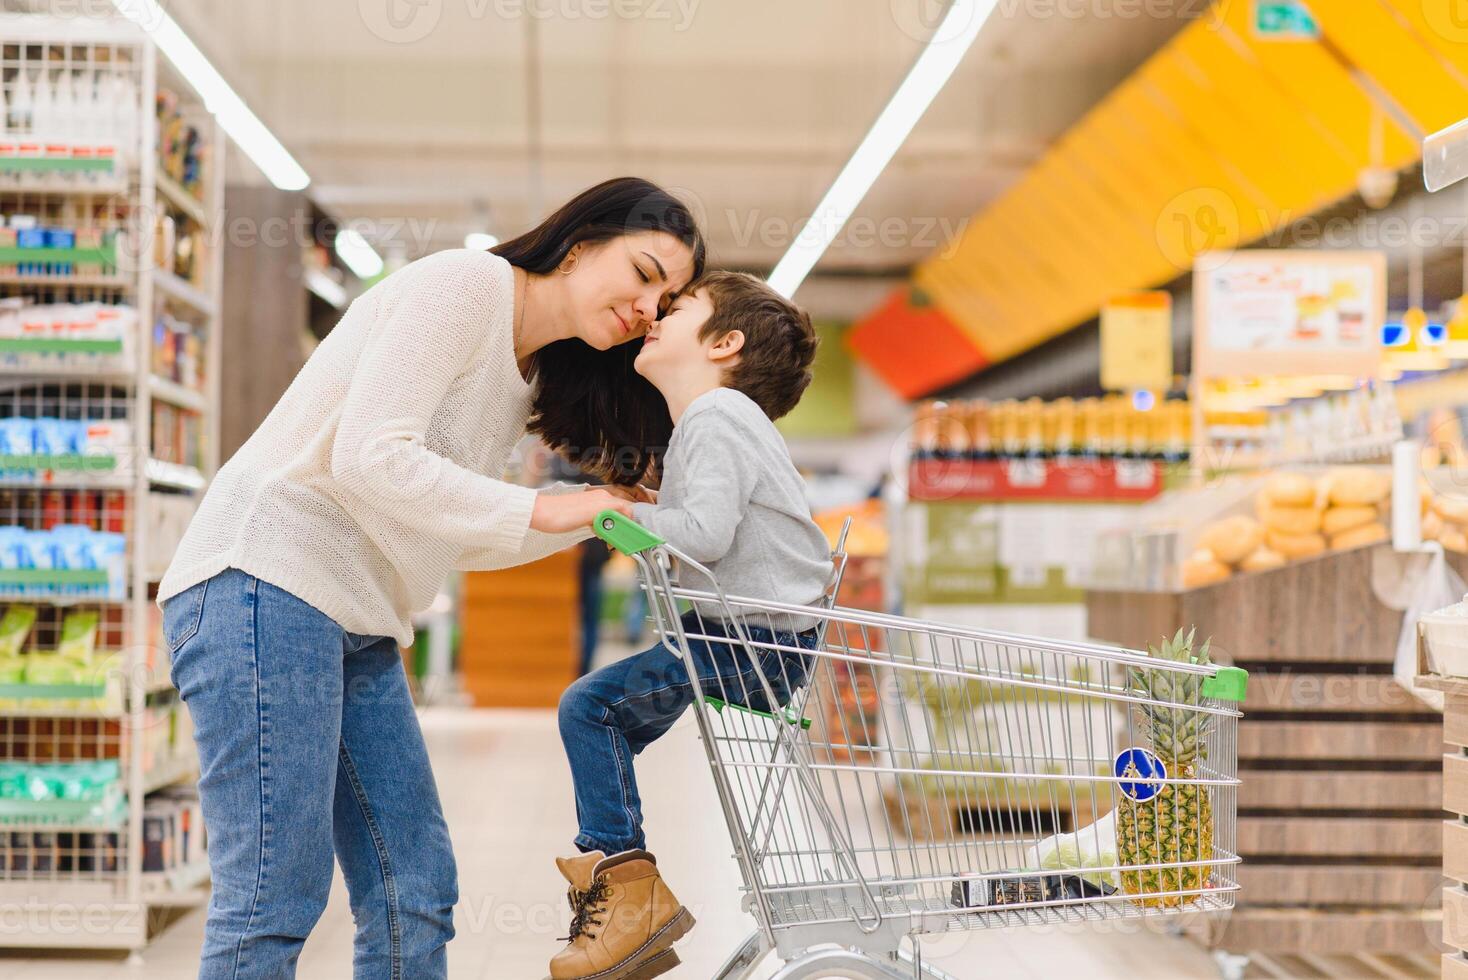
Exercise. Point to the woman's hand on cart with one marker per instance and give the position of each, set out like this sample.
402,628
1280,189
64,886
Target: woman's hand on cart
559,513
638,494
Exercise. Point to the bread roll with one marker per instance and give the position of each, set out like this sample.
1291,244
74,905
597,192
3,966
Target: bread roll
1290,489
1354,486
1262,561
1295,545
1358,536
1292,520
1453,540
1231,539
1454,510
1202,568
1338,520
1432,526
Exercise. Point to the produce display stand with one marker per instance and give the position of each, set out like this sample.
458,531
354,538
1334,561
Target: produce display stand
1342,789
1455,827
64,882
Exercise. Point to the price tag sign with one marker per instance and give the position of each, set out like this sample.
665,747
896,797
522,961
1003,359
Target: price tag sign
1025,472
1135,474
1136,342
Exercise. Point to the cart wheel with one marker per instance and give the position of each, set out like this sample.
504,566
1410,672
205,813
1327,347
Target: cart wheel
1231,966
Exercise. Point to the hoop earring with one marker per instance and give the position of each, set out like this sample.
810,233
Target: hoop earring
565,269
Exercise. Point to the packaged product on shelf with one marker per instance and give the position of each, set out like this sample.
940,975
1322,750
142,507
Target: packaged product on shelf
17,437
15,627
78,635
174,835
61,791
105,438
58,437
159,829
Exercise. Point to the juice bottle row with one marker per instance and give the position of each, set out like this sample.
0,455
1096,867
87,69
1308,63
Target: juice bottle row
1114,427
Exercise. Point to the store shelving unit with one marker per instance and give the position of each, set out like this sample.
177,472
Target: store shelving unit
78,881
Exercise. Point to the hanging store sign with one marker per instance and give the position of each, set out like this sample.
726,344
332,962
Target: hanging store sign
1136,342
1268,313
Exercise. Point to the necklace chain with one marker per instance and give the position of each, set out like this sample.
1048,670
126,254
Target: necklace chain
521,288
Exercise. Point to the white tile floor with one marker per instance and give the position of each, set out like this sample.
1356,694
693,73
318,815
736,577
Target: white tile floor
507,796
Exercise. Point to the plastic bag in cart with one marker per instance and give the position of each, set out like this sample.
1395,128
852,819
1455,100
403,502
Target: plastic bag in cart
1092,846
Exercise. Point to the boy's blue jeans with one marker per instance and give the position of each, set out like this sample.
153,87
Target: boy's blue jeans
308,747
610,715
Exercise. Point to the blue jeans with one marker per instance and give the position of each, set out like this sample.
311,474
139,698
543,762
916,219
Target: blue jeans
611,715
308,746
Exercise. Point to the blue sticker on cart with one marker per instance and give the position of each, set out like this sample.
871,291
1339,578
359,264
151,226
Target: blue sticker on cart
1143,764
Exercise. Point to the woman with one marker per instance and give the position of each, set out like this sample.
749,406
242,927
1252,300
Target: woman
371,479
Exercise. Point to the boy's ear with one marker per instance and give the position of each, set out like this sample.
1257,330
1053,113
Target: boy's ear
727,346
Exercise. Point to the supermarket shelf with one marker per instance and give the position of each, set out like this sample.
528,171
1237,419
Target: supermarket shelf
185,292
69,480
112,712
64,816
39,183
180,198
63,472
98,255
69,282
177,394
63,827
181,887
175,475
326,288
61,599
113,374
172,771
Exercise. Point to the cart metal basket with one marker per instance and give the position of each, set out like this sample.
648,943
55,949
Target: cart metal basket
905,777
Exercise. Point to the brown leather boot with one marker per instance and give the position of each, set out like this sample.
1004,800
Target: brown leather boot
577,872
625,922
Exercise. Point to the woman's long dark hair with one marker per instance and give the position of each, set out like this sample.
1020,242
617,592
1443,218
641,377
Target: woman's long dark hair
590,405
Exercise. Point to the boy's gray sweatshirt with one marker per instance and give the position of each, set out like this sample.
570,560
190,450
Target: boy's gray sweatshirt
732,500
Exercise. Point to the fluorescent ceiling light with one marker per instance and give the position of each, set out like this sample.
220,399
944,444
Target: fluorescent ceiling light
359,256
480,241
242,125
327,288
944,50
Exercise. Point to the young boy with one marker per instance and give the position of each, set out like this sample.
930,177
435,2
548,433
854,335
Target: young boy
730,356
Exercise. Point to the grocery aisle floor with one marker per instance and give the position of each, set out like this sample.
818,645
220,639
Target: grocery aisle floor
507,796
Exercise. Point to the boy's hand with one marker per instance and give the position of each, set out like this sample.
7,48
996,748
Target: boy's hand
558,513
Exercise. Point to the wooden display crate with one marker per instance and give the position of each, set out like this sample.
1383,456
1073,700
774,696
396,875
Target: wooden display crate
520,628
927,816
1455,828
1341,796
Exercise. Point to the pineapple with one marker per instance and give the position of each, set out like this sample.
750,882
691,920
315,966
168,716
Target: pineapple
1175,825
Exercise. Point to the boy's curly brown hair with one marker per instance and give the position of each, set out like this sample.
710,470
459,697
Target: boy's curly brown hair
774,366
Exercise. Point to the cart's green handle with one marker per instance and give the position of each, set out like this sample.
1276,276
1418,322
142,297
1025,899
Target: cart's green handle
1229,684
623,533
789,716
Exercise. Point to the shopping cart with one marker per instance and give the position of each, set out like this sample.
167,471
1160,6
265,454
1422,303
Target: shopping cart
905,778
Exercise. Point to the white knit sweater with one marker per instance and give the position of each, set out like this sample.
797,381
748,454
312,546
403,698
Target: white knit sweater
376,472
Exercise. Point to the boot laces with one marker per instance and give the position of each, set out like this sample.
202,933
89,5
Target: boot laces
586,906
